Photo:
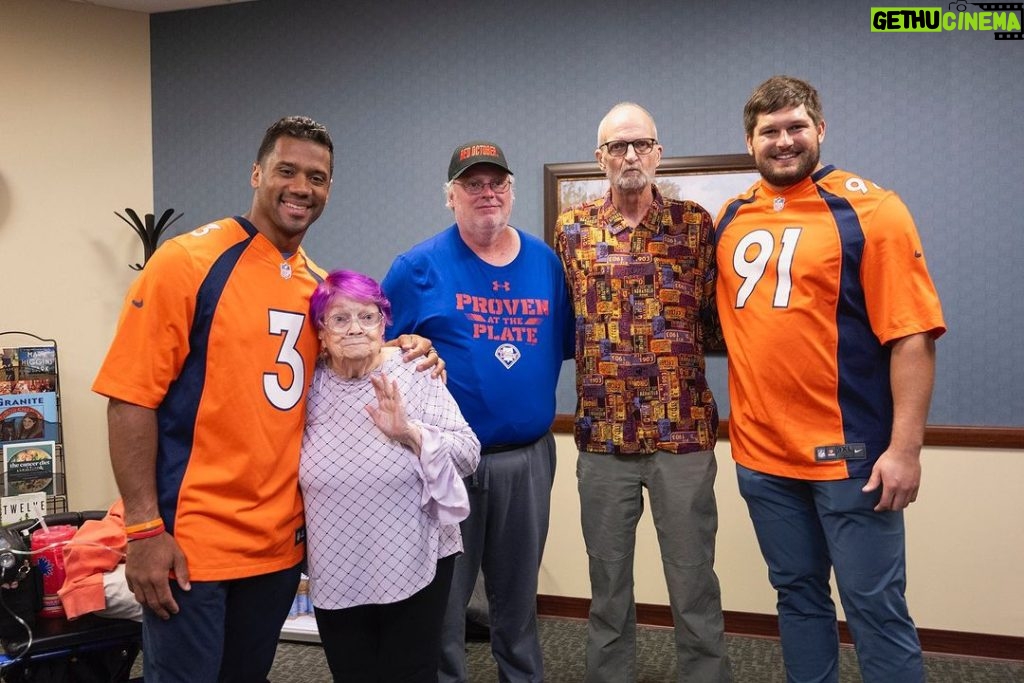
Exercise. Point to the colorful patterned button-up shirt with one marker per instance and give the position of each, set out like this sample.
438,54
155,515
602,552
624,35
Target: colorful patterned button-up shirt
643,298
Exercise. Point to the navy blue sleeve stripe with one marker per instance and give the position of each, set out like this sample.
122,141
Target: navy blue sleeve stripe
729,214
177,413
865,395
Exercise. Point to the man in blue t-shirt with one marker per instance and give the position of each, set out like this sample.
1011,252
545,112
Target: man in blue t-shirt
494,301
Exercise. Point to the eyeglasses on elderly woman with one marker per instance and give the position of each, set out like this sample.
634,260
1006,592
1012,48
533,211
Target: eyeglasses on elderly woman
341,322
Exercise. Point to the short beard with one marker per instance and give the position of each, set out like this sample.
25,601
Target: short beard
792,176
633,182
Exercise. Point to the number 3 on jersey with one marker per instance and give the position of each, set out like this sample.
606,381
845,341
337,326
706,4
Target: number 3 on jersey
761,245
289,327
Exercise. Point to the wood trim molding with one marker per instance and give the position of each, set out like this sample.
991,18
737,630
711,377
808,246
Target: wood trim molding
934,435
933,641
974,437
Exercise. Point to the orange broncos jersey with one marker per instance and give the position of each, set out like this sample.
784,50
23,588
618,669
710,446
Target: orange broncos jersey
812,286
215,336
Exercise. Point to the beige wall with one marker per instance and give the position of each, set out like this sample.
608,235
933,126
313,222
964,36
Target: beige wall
965,543
76,131
75,124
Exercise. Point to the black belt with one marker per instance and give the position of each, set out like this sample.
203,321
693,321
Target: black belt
503,447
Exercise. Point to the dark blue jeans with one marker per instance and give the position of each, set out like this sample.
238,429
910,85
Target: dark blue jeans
225,631
805,530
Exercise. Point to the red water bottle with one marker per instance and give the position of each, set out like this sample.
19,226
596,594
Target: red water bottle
48,559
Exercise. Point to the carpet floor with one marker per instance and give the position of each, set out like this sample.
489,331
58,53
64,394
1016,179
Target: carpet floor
753,660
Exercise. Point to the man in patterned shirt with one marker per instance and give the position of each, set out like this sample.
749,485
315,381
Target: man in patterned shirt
640,269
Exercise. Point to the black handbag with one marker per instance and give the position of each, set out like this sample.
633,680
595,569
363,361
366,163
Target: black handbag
21,587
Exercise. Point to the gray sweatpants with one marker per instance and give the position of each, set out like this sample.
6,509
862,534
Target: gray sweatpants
510,503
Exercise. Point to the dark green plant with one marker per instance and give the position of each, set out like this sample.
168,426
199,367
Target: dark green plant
149,231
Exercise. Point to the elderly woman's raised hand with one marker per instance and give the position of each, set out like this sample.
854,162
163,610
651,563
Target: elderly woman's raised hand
389,414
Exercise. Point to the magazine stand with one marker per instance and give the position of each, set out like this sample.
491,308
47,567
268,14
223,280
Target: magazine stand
30,419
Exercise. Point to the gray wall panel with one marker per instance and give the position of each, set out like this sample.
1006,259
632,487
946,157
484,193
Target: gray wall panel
935,117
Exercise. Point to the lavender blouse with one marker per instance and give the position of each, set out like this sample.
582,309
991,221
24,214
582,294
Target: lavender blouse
377,517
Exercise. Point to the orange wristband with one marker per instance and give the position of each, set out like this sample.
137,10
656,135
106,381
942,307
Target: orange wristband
157,523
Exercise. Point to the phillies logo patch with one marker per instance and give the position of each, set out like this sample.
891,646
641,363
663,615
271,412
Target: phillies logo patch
507,354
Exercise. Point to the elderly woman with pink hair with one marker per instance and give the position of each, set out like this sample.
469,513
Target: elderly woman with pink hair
383,457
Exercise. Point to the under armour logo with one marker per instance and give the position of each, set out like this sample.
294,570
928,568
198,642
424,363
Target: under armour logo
495,285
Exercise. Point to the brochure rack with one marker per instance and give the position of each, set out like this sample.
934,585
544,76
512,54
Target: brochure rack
31,433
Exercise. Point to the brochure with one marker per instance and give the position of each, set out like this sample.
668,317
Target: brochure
29,467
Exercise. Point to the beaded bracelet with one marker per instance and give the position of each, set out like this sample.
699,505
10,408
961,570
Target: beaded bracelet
148,533
145,526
